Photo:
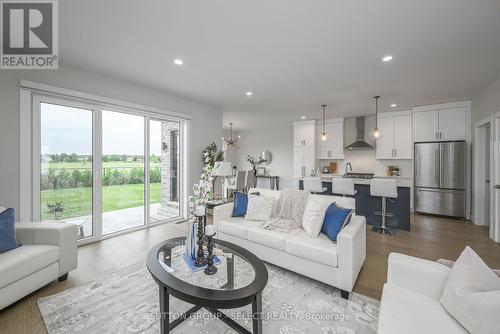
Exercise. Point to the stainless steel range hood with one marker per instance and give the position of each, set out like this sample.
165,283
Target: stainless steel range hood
360,143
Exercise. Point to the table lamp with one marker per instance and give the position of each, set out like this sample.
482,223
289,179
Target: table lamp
223,169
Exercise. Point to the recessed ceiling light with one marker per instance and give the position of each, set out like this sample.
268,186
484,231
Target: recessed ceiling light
178,62
303,117
394,105
387,58
248,93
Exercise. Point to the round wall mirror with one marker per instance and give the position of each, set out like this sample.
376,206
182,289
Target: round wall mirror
266,155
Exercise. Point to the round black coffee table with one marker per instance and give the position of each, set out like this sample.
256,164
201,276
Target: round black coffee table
239,281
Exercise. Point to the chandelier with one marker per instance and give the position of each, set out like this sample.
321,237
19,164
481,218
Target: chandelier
232,141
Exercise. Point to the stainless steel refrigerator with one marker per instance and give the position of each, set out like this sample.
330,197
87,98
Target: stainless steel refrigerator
440,178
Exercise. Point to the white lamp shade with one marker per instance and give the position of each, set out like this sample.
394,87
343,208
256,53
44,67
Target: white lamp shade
223,168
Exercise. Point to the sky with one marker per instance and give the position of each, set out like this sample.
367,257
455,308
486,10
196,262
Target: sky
69,130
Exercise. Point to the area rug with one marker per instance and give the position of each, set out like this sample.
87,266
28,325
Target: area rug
127,302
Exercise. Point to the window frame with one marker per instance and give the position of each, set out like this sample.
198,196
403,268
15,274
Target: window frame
32,94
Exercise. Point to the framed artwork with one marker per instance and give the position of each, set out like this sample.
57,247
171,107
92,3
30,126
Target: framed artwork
260,171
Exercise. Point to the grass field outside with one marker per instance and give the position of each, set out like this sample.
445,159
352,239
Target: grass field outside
88,165
78,201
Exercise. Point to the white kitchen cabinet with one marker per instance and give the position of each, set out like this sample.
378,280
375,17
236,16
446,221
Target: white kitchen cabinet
304,161
452,124
402,137
304,133
426,125
441,122
304,152
333,146
385,144
396,140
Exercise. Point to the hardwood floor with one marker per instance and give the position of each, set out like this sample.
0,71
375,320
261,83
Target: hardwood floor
430,238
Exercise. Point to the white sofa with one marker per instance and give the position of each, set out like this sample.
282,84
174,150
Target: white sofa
410,300
337,264
48,252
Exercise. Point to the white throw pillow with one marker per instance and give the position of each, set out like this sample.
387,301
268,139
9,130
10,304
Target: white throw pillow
472,294
2,209
259,208
314,213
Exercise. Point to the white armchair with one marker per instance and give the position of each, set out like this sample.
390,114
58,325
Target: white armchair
410,300
49,251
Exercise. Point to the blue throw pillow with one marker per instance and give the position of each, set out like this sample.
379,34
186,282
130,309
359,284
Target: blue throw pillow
336,218
240,204
7,230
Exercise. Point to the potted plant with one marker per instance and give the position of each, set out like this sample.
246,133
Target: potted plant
251,160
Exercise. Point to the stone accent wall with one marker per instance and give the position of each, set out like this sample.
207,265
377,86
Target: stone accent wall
166,185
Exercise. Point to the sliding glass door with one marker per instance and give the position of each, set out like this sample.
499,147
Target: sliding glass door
66,165
107,170
122,171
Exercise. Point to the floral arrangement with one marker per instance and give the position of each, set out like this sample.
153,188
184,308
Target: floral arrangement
211,155
251,160
203,190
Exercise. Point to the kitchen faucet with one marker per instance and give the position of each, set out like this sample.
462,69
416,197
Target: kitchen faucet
348,164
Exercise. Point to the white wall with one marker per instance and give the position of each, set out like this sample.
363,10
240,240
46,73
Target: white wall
486,102
206,125
278,141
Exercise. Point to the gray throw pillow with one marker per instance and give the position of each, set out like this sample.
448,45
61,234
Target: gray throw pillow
472,294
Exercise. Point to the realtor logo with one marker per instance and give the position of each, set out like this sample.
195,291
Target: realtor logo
29,34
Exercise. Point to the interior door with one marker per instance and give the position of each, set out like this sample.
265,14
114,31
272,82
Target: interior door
427,160
495,223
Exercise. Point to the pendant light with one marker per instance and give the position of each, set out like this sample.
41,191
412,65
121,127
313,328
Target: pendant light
323,134
376,134
231,140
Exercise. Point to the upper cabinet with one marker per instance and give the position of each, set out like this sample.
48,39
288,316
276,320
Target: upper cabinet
304,133
426,125
333,146
396,140
442,122
452,124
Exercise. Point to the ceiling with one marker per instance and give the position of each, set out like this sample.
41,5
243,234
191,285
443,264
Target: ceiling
294,55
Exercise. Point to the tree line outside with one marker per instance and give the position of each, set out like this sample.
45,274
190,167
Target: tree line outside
66,184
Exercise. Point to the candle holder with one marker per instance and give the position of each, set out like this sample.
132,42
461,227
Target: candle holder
200,260
210,269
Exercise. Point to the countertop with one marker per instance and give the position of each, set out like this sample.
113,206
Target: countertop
401,181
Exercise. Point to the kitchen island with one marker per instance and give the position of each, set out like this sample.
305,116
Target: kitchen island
367,205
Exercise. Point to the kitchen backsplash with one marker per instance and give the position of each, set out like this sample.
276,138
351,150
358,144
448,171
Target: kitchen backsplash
365,162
